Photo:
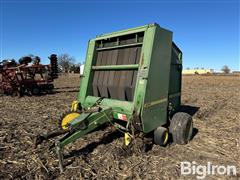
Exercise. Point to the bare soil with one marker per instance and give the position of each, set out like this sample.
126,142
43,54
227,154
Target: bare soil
214,102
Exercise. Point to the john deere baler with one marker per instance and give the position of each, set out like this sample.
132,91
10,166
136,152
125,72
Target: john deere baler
132,80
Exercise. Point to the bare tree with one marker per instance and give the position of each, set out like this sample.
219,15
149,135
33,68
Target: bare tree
226,69
66,61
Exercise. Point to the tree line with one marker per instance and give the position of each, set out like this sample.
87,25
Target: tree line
225,69
68,63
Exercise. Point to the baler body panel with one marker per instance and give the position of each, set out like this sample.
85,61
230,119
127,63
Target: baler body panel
175,79
154,112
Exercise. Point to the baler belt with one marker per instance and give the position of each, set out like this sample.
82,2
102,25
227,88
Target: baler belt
120,83
112,73
96,75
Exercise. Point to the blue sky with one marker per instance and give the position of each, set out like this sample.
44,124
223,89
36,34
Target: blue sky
206,31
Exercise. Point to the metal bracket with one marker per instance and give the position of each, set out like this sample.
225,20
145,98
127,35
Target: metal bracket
143,73
59,152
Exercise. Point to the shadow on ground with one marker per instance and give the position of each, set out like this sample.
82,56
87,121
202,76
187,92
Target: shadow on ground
189,109
108,138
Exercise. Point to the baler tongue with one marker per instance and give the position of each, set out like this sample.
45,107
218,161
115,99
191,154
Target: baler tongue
89,118
86,122
81,126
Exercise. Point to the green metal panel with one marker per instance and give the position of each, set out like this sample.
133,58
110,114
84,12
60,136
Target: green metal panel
87,75
124,32
121,106
116,67
175,79
154,111
120,46
143,68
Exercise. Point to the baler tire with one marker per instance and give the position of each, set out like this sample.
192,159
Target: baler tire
181,128
161,136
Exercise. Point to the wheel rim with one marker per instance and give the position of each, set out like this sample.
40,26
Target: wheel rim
190,132
189,125
68,118
165,138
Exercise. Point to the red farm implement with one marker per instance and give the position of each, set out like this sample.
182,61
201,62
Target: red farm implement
34,79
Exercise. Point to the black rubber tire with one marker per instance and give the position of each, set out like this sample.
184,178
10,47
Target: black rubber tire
161,136
181,128
36,90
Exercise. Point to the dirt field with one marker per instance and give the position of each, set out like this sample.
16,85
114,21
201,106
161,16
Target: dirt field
214,102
